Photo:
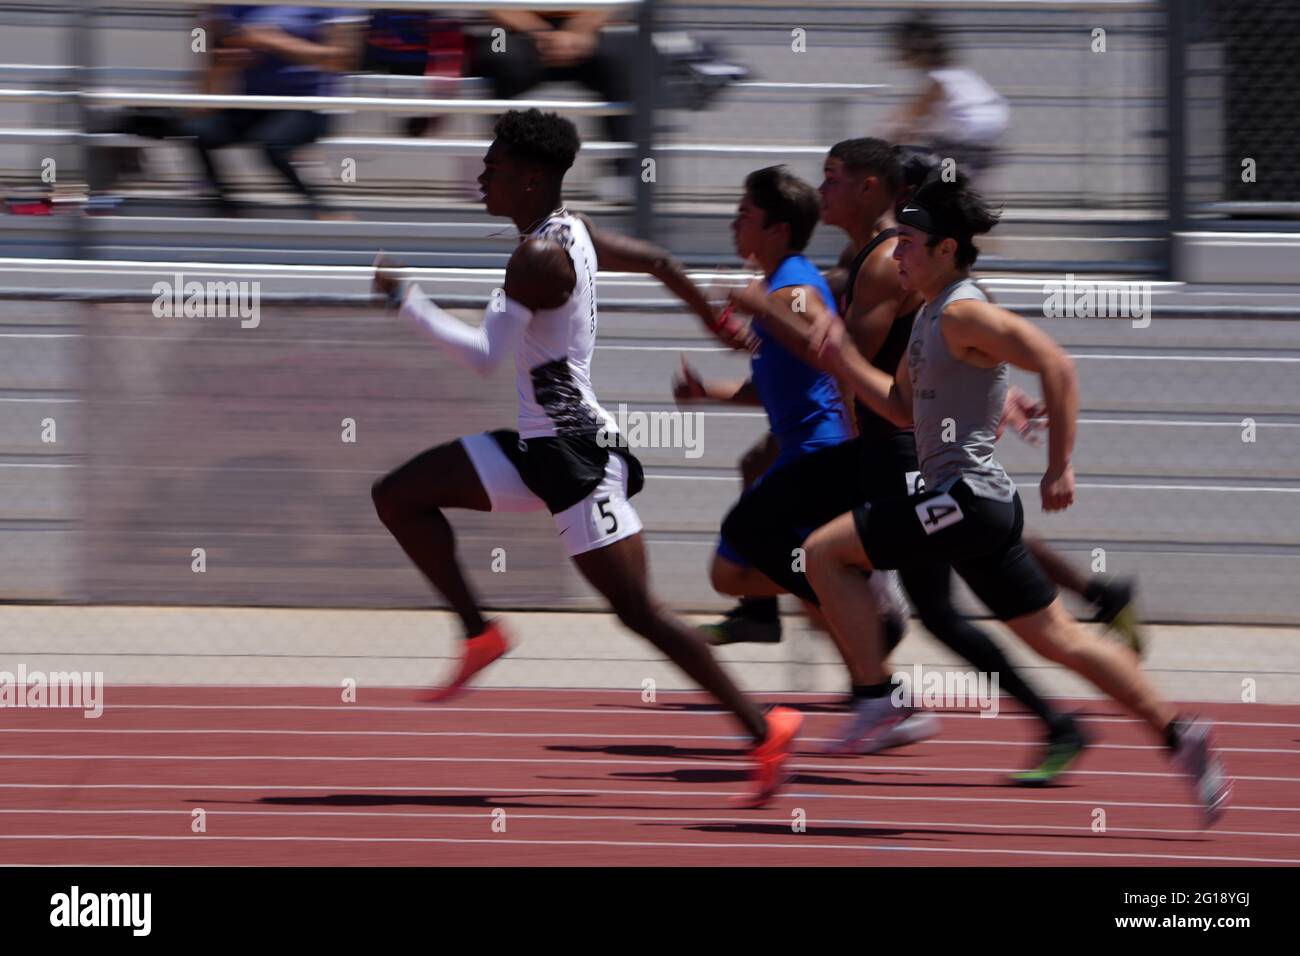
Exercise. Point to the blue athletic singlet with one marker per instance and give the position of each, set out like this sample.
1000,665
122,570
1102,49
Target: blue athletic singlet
804,407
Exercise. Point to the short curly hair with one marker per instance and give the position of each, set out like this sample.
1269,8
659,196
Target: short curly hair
872,156
544,139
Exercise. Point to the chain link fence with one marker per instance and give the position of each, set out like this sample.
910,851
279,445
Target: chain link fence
1242,74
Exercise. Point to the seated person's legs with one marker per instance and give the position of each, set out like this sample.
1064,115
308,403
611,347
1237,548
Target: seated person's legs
281,133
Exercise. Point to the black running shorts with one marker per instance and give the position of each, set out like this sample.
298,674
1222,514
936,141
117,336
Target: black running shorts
980,537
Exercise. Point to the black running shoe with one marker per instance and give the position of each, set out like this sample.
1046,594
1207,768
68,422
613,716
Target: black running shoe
741,626
1117,610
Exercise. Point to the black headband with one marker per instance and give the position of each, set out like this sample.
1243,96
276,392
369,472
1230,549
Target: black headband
918,217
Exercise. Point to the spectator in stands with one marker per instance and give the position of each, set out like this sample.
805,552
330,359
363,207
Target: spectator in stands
279,50
958,114
572,47
415,43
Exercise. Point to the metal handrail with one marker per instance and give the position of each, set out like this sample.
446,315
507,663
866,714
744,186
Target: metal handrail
375,104
412,5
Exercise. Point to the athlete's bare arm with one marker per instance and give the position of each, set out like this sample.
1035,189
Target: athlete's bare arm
789,314
985,335
689,387
339,50
878,299
619,253
880,391
903,382
838,277
540,274
820,338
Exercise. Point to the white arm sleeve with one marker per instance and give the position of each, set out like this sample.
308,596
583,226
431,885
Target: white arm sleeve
481,349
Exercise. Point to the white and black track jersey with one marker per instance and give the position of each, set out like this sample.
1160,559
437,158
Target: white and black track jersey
556,449
553,362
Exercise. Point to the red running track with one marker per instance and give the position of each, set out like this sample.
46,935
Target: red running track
293,776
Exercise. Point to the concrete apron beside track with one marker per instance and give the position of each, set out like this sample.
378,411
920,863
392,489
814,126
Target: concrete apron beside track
395,648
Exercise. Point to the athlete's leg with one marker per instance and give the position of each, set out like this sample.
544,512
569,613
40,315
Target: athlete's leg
764,526
757,616
749,584
1053,633
409,501
1113,669
602,533
929,585
836,561
1009,580
1062,572
733,577
1113,598
618,572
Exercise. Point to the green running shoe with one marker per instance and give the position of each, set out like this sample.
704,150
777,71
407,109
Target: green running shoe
1062,751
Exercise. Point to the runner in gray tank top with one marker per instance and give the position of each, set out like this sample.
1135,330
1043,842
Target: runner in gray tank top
951,386
956,406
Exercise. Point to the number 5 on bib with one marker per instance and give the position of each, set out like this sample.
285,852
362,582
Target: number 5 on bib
938,513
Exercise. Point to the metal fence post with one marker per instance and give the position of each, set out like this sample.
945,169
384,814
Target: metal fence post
81,55
1175,130
646,89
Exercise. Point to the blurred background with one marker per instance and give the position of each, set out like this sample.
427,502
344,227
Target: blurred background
1153,142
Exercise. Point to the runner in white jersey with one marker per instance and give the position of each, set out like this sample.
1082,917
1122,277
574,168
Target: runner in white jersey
564,455
951,385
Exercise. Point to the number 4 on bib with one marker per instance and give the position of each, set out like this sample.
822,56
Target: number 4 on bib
938,513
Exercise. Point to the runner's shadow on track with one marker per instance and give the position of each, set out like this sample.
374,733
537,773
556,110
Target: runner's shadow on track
415,800
782,829
693,753
741,775
652,750
704,707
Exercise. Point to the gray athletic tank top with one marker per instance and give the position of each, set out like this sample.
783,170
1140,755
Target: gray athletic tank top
955,406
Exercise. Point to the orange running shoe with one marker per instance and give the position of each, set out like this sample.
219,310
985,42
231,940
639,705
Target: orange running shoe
770,756
480,651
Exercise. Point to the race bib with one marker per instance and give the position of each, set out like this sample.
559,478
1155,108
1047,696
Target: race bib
938,513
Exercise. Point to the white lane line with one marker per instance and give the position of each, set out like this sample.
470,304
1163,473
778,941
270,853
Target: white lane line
593,792
1166,423
1108,357
677,762
648,844
1268,359
1082,484
1025,829
563,735
434,710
